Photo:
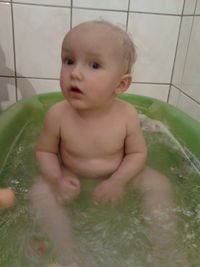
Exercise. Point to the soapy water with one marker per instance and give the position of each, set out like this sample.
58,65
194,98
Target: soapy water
105,237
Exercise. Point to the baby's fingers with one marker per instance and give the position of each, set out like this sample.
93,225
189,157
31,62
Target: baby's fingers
74,182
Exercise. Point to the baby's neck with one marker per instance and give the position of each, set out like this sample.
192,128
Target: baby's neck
96,112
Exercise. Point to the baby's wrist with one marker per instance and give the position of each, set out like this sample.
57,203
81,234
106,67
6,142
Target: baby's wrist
54,180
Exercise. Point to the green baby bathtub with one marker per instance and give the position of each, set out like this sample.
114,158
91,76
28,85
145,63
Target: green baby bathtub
19,128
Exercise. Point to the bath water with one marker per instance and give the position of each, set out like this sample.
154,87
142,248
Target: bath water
106,237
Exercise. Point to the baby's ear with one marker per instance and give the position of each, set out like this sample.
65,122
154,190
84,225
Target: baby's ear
124,84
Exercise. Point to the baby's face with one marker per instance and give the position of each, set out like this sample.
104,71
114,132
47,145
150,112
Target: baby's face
91,66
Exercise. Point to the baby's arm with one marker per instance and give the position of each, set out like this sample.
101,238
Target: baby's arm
48,145
47,151
135,150
111,190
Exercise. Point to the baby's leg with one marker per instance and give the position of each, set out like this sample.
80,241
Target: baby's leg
159,213
52,217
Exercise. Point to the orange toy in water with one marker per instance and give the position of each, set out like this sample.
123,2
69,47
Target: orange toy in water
7,197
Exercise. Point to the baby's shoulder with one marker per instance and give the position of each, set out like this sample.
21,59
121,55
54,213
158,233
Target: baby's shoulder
58,109
126,108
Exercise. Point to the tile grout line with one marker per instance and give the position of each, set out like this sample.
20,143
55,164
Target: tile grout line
127,18
100,9
39,5
176,51
71,14
188,96
189,38
189,41
14,50
57,79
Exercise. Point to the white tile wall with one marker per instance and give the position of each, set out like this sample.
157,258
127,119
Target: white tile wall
81,15
103,4
189,106
185,103
174,96
7,92
186,73
158,91
28,87
181,54
191,76
189,7
6,41
155,46
157,6
198,8
46,2
39,32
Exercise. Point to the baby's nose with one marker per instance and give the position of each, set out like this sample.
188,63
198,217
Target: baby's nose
77,72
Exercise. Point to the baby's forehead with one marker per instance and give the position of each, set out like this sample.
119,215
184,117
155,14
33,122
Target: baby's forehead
93,33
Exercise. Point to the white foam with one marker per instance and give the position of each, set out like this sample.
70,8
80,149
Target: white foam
150,125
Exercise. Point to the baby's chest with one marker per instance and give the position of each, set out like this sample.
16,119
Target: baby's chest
101,139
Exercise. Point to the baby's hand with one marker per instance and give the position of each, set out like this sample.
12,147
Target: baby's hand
108,192
68,189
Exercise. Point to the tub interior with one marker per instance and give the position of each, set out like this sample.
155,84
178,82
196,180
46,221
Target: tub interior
107,237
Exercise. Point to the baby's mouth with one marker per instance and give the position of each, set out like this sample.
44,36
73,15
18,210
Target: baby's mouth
75,89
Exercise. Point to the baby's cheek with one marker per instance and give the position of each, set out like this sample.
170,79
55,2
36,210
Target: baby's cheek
63,79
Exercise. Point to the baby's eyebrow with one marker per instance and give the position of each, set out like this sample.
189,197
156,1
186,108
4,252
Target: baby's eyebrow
65,49
66,52
94,55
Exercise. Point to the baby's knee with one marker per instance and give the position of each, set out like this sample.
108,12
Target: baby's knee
152,181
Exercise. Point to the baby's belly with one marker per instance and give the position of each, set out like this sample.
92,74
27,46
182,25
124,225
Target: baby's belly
92,167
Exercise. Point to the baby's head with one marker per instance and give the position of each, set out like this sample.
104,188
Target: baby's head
97,58
114,36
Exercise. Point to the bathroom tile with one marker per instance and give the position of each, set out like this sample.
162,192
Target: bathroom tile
103,4
46,2
157,91
197,11
155,37
80,15
181,53
157,6
29,87
184,103
189,7
7,92
174,96
192,89
39,32
191,78
6,41
189,106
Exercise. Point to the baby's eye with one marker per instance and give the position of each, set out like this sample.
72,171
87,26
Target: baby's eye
95,65
69,61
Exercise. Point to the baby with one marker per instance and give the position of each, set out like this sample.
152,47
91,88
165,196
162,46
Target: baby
93,134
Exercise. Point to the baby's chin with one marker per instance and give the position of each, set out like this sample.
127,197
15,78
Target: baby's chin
78,104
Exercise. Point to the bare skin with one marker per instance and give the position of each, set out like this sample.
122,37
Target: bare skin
94,153
92,134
